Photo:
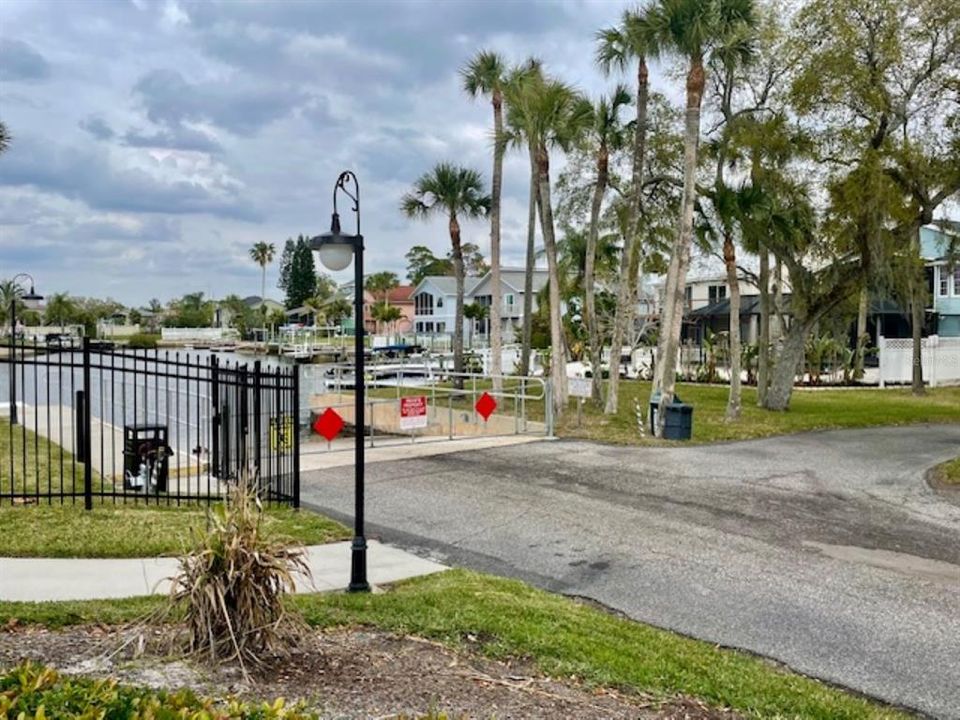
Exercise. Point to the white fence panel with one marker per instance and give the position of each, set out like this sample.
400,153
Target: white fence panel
940,360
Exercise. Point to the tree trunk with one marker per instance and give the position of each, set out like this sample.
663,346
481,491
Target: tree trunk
558,357
785,371
531,257
458,315
680,261
918,297
862,337
624,311
590,304
763,341
730,260
496,352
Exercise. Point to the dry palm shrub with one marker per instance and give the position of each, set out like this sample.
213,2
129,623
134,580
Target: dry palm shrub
231,584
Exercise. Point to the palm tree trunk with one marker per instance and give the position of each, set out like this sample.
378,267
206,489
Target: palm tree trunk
680,261
531,258
458,314
763,342
558,356
625,298
590,304
862,337
788,360
730,260
263,300
496,352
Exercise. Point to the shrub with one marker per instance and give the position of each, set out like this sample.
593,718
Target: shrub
230,586
36,691
143,340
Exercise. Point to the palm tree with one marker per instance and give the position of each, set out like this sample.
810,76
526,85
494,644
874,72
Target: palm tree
455,192
486,74
692,29
4,138
517,135
60,310
607,133
10,293
262,254
475,313
382,282
553,116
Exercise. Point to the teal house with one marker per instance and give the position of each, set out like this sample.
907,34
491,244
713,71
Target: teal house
939,246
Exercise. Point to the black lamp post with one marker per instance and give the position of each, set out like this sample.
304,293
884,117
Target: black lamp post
28,298
336,250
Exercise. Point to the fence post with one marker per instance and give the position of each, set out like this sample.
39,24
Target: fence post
296,436
548,405
215,416
86,450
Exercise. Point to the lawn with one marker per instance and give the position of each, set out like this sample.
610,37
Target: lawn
508,619
809,410
44,464
125,531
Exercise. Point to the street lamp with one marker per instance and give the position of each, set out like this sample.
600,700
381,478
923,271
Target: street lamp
29,299
336,250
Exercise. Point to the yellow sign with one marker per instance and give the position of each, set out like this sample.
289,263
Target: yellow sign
281,433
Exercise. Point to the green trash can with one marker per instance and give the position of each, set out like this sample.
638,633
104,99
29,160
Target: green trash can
678,421
655,408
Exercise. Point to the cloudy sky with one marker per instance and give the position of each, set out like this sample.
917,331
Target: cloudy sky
155,141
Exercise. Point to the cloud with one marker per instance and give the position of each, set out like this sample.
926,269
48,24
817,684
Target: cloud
97,126
238,104
19,61
89,176
177,137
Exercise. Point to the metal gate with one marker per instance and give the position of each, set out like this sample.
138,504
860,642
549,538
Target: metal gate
157,426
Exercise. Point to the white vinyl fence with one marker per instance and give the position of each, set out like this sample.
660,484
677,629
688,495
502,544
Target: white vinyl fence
940,358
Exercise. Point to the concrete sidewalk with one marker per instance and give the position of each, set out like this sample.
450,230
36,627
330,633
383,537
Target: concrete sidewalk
41,579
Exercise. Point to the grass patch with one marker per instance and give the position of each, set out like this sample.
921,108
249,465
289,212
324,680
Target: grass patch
506,618
30,463
948,473
126,531
809,410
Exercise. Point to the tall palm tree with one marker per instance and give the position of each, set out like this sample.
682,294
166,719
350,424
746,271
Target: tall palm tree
262,254
382,283
554,116
691,29
617,48
10,293
456,192
607,133
486,74
517,135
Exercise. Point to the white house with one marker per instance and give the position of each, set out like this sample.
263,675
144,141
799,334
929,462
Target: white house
435,301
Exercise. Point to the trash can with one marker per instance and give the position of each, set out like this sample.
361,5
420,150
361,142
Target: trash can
146,458
655,408
678,421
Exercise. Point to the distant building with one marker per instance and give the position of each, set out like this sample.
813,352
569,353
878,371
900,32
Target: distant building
943,277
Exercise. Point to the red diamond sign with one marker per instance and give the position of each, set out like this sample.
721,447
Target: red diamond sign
329,424
485,405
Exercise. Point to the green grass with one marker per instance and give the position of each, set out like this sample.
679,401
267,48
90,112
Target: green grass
949,472
809,410
506,618
47,464
124,531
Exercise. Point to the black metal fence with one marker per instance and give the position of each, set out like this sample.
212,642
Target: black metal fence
154,426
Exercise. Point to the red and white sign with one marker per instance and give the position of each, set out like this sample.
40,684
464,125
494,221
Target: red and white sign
413,412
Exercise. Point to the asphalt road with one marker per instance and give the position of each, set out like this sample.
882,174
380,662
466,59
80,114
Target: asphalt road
826,551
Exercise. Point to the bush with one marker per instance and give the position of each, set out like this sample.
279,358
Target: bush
143,340
36,691
230,586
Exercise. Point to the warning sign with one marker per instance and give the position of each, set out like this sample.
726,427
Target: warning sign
281,433
413,412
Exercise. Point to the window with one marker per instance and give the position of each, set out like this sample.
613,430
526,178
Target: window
509,298
716,293
419,327
439,302
423,304
944,277
440,327
956,281
688,296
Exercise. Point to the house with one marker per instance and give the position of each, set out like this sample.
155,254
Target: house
435,301
937,245
222,317
400,296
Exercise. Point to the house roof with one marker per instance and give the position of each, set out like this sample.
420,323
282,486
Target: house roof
446,284
254,301
401,294
750,305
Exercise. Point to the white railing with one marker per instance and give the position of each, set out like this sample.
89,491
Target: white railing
198,334
939,357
